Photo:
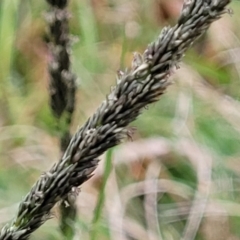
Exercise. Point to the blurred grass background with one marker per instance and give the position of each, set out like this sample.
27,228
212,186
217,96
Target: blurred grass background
180,176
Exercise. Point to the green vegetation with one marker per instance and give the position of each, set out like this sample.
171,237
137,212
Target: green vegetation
186,146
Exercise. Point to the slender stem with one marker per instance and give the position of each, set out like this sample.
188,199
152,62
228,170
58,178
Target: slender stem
101,195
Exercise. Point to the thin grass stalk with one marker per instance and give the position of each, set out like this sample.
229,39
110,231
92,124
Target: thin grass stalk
137,87
8,28
62,96
101,196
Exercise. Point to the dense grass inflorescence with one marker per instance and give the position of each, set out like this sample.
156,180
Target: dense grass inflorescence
136,88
